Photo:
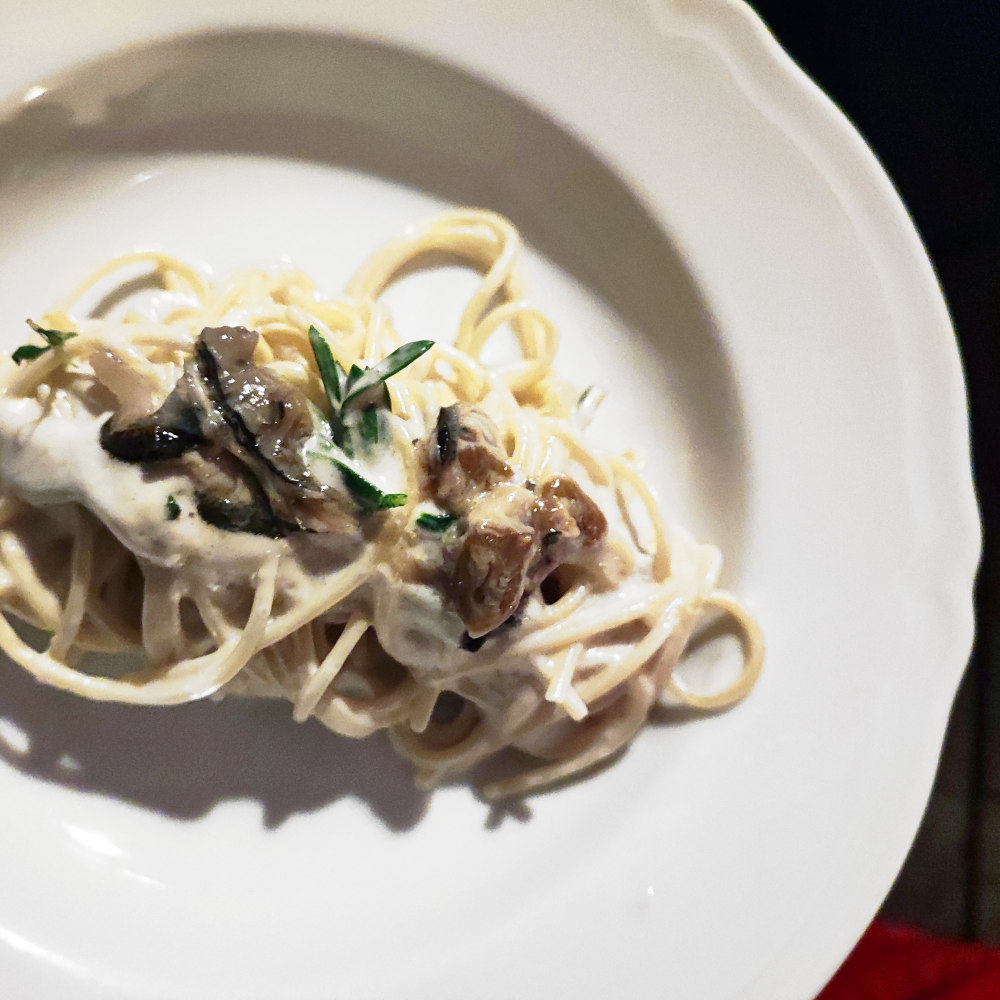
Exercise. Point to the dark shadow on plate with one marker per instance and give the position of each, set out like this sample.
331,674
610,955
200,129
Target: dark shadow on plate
369,107
183,760
512,763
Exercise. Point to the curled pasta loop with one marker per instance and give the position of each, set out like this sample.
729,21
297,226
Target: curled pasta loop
569,678
753,659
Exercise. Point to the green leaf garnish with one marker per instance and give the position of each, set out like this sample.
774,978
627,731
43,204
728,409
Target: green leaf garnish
366,494
331,374
52,338
359,382
28,352
361,431
363,388
369,426
437,523
390,500
327,365
173,508
352,377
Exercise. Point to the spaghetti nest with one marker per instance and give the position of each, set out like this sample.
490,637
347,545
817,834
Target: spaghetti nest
252,489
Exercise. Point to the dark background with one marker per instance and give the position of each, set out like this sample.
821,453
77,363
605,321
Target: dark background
920,79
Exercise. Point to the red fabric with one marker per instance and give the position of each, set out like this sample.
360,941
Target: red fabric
897,963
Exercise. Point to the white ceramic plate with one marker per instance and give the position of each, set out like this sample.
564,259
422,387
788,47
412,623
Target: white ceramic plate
716,242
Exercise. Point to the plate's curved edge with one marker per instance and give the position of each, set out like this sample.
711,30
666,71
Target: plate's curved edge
776,83
734,30
738,35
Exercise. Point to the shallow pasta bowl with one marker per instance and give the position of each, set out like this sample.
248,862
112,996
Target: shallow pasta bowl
723,254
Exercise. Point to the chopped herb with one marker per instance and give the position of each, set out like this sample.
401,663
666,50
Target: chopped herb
362,430
368,496
331,374
52,338
377,395
28,352
359,382
369,425
360,389
550,537
352,377
435,522
173,508
329,368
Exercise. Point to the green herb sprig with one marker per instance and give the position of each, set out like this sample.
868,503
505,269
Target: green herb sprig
365,493
52,338
361,382
437,523
357,400
356,397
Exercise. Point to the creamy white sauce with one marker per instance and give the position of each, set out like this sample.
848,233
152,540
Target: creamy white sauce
56,457
53,455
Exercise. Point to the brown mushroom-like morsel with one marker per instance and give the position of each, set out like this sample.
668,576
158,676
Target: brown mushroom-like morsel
239,432
568,520
148,441
268,416
490,573
464,458
229,496
513,534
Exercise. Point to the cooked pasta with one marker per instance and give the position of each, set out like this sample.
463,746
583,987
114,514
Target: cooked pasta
253,489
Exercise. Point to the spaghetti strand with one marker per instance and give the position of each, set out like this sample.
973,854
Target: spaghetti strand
253,489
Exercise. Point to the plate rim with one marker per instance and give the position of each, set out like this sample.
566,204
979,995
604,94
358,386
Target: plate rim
733,30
